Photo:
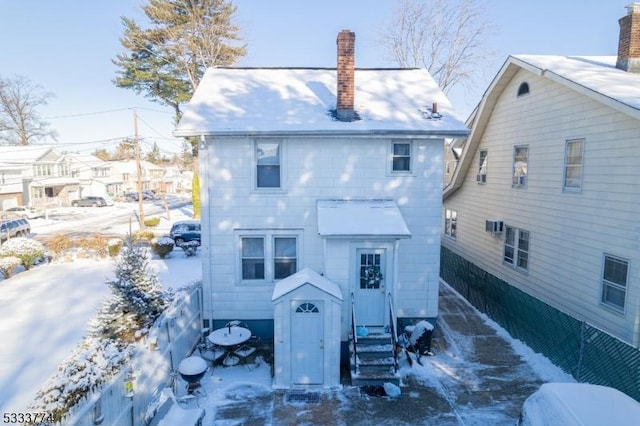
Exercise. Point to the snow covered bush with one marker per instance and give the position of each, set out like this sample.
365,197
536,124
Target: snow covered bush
114,246
152,221
8,265
162,246
25,249
137,298
89,366
190,248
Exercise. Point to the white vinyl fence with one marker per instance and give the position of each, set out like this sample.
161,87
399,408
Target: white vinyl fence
126,399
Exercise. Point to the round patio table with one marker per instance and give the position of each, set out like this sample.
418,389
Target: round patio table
228,338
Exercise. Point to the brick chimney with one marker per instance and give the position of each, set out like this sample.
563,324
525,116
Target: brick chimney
346,78
629,42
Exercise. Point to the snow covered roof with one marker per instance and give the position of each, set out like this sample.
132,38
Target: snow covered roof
302,277
361,218
239,101
23,154
596,74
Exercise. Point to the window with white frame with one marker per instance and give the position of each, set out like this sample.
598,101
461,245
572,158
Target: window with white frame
401,157
573,158
450,223
268,255
267,164
516,247
482,166
520,166
253,258
615,274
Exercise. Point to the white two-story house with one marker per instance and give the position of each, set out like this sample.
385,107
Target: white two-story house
547,191
321,200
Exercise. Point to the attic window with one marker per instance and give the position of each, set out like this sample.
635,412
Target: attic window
523,89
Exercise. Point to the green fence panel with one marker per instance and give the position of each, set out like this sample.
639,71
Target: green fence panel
588,354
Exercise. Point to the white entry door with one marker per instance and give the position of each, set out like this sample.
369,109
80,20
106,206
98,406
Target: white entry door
370,286
307,344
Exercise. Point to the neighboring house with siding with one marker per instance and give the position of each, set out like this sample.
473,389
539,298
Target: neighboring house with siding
321,198
546,195
12,190
46,175
94,175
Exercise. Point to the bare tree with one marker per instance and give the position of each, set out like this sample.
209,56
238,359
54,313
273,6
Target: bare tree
444,36
20,122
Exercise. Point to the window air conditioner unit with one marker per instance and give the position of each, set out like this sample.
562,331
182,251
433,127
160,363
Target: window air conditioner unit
494,226
481,178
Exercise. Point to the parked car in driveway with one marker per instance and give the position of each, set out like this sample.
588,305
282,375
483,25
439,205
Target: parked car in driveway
90,201
24,212
185,231
578,404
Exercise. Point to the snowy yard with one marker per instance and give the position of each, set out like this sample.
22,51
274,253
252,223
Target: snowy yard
46,310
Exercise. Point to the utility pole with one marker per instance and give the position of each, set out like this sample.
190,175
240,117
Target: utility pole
139,169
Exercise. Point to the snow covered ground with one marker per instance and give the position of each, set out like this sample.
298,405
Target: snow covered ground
45,311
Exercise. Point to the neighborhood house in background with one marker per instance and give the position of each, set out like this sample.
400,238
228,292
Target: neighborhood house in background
552,159
329,215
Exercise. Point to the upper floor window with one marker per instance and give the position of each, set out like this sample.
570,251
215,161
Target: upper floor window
44,169
450,223
267,165
573,158
523,89
268,255
520,165
126,177
401,157
516,247
481,177
614,282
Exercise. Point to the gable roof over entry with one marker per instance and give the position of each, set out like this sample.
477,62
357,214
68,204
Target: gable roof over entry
303,277
366,218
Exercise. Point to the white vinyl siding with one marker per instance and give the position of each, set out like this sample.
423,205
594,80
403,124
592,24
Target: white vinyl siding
573,164
313,169
571,233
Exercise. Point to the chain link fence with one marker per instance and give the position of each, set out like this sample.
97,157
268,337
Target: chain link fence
587,353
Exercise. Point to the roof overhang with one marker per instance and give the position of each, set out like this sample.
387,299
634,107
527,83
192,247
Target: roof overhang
361,218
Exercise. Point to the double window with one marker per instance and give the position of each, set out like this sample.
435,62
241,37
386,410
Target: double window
614,282
520,166
401,157
450,223
268,256
573,157
516,247
268,158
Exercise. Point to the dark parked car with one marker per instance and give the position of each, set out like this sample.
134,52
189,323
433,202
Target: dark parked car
89,201
185,231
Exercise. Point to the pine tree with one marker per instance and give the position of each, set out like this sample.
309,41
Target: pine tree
137,298
154,155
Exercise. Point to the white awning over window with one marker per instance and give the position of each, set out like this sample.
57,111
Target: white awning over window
341,218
